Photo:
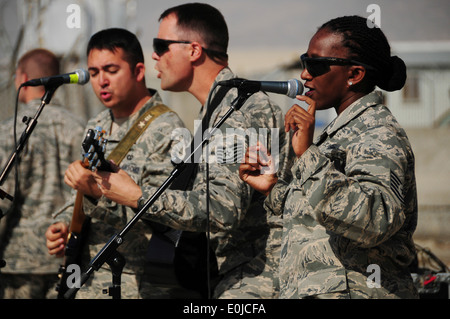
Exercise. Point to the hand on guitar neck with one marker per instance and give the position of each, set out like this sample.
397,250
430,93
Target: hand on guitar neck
79,174
79,177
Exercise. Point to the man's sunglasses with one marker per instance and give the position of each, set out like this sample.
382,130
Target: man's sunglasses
321,65
161,46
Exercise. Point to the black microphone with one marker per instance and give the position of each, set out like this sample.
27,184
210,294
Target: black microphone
79,76
291,88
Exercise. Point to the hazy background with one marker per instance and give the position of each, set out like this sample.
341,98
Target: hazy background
291,23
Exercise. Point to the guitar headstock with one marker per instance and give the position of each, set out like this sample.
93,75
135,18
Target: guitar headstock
94,146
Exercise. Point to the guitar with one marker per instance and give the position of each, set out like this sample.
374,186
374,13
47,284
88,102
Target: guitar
93,158
184,259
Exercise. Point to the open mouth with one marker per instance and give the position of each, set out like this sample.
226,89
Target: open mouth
105,95
310,92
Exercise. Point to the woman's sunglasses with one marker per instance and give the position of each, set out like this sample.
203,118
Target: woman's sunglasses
321,65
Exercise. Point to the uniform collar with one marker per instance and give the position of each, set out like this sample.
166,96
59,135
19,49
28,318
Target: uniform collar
354,110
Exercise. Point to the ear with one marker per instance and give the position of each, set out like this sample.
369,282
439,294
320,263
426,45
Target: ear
139,71
196,51
21,77
356,74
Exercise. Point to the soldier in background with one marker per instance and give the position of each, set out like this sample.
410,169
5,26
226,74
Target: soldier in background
351,209
53,145
117,70
191,55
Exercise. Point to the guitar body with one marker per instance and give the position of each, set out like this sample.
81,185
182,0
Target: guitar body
72,255
180,259
93,158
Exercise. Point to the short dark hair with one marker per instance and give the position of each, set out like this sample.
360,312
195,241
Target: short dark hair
369,45
113,38
205,20
39,63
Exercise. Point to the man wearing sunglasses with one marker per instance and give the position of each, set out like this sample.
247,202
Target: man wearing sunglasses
190,54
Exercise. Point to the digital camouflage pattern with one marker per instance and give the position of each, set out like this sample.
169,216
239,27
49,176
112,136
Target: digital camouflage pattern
352,203
148,163
53,145
245,239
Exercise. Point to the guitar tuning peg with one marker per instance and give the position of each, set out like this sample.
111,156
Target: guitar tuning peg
93,168
98,163
93,159
103,145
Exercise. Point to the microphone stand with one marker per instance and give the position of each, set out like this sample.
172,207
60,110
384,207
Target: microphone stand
109,252
31,124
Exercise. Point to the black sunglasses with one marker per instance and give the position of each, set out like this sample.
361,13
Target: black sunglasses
161,46
321,65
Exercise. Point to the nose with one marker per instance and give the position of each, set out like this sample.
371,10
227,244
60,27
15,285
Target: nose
155,56
103,79
305,75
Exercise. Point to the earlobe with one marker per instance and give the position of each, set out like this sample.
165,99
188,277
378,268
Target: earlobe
357,74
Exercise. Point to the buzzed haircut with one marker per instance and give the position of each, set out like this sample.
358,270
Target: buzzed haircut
39,63
206,21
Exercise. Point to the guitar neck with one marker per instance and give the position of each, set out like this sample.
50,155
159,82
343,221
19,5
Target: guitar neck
78,215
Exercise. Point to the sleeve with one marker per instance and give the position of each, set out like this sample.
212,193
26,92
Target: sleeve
276,199
149,160
229,197
363,201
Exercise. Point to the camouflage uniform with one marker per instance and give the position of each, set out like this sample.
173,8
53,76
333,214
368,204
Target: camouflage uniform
246,240
148,163
351,206
44,159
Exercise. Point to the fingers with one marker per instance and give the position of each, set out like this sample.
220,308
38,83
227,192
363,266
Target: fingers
257,155
311,104
257,160
258,169
56,236
297,116
74,174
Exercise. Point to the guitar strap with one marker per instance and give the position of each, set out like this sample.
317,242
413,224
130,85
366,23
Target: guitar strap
187,175
121,150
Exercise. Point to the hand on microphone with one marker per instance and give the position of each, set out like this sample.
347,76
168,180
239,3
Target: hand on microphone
302,122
